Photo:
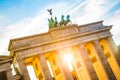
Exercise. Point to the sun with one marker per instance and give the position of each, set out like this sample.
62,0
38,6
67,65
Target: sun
68,59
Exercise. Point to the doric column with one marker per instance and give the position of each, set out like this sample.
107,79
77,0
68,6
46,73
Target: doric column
103,61
23,69
63,67
86,63
44,68
113,49
113,56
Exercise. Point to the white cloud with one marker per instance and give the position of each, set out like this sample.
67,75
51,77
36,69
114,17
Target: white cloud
94,10
118,11
81,13
24,28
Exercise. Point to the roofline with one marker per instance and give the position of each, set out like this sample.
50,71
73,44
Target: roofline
92,23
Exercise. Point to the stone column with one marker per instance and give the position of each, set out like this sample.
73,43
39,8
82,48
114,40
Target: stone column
103,61
114,57
86,63
23,69
63,67
44,68
113,49
9,74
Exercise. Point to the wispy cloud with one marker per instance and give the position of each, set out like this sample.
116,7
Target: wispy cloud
81,12
26,27
118,11
94,10
115,21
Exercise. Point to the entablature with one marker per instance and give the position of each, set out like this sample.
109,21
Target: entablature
57,34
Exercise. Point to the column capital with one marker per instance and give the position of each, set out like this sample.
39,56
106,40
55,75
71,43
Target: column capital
19,58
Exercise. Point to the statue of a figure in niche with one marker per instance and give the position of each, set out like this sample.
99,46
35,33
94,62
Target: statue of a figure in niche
52,23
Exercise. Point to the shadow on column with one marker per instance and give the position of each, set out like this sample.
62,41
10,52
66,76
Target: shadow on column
3,76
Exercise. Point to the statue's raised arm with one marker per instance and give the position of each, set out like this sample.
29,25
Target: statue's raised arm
50,11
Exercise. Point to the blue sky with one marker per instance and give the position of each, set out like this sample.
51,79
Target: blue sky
20,18
16,10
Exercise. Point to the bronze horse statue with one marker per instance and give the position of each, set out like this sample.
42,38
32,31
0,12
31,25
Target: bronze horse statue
64,22
67,20
54,22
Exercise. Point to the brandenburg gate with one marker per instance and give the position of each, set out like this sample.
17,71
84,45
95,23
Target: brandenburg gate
70,52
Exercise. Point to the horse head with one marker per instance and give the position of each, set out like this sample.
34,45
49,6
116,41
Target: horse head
55,19
68,18
62,17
